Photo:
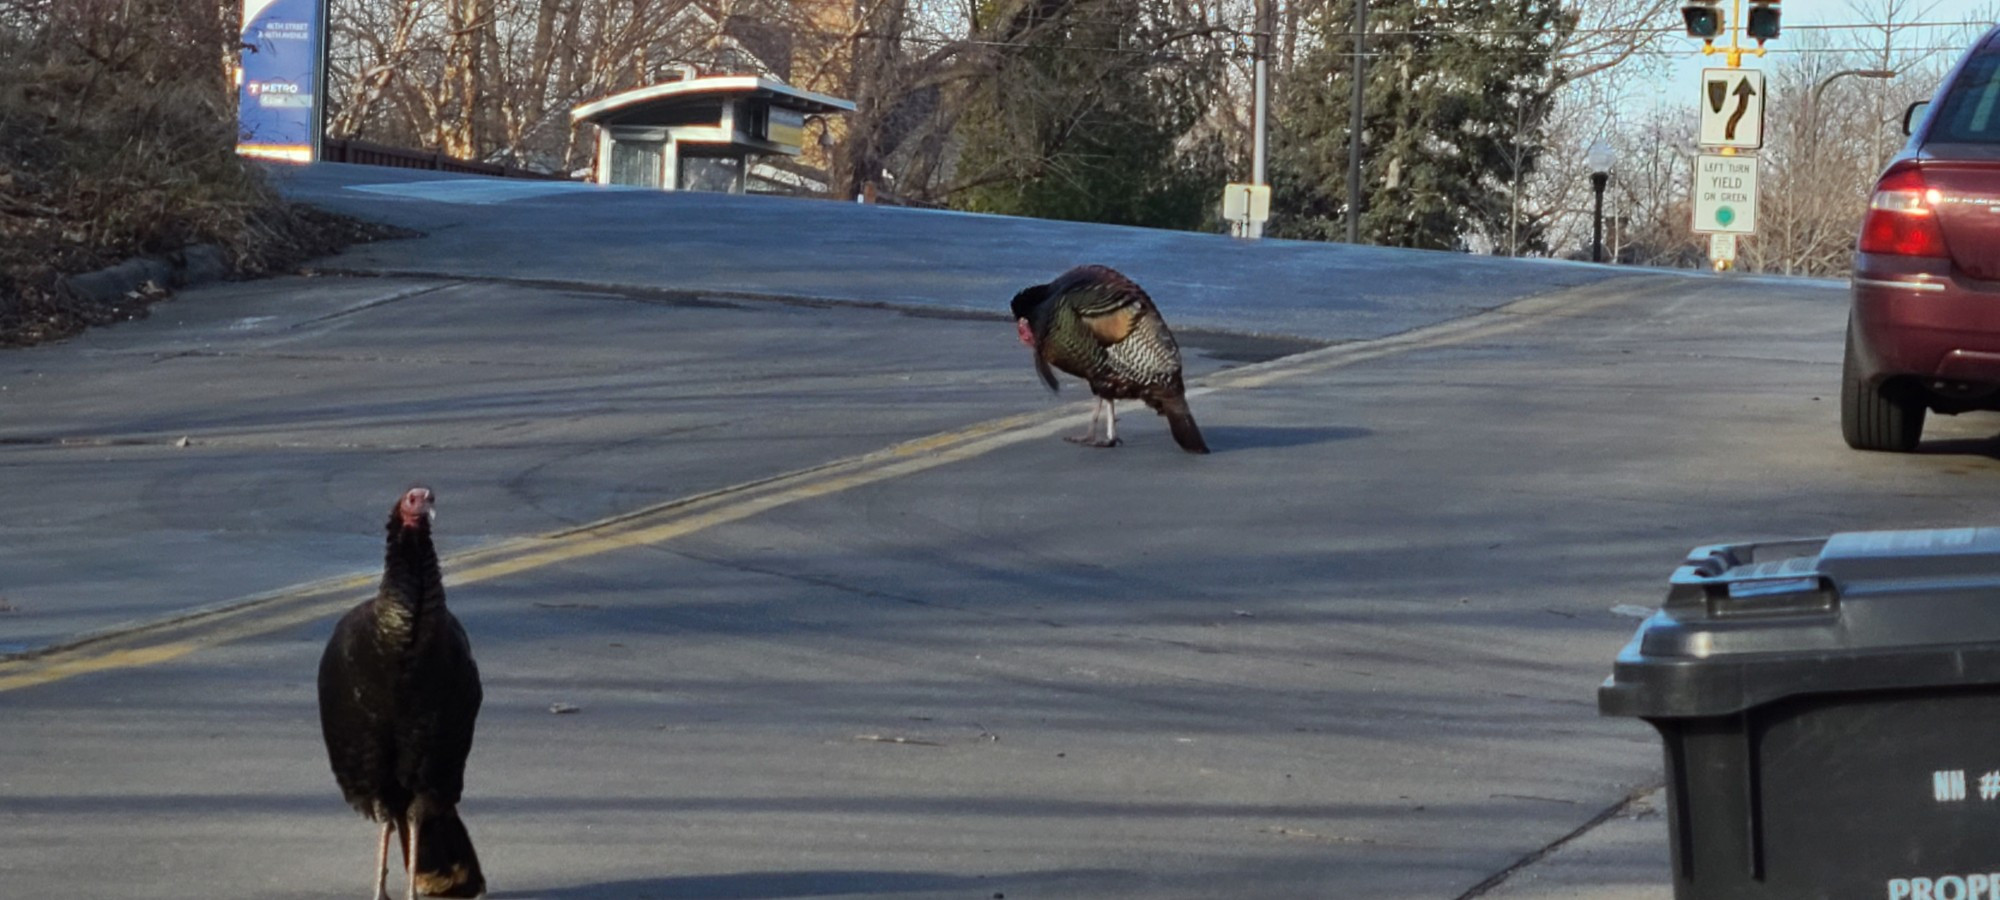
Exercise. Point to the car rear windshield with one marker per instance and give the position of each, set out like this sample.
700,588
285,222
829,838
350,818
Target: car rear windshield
1971,113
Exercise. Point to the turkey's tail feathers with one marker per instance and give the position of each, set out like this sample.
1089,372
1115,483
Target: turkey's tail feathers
447,866
1180,421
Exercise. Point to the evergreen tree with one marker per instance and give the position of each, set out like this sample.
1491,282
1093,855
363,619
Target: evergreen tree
1085,113
1457,94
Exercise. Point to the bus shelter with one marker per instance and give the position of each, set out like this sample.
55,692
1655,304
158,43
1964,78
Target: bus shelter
700,134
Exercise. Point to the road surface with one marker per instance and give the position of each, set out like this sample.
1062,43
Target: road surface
834,611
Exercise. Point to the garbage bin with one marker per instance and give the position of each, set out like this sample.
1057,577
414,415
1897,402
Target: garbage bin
1830,710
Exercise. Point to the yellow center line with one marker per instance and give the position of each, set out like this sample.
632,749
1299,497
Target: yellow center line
57,669
154,643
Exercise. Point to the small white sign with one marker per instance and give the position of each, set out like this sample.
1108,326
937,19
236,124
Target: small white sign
1725,194
1732,108
1246,202
1722,249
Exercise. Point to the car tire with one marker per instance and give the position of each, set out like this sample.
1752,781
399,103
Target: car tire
1888,417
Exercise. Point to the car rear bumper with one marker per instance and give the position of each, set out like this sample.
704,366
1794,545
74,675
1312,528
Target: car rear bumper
1913,323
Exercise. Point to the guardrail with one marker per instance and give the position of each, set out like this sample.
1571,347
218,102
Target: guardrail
371,154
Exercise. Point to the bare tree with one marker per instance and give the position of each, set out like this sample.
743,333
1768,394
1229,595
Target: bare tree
495,79
1831,131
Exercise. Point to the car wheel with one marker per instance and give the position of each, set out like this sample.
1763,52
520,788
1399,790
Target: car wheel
1887,416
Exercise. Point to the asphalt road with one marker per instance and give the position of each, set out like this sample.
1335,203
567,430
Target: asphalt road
837,613
570,233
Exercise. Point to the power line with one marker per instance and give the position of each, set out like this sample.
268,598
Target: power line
1236,28
1237,32
1635,30
1457,50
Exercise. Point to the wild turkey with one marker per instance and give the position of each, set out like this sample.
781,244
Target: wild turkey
398,693
1094,323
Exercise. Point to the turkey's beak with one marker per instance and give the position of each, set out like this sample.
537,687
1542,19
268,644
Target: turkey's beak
1027,333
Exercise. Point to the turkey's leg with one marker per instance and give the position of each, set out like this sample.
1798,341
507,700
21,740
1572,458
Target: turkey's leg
1102,417
413,855
1096,413
381,891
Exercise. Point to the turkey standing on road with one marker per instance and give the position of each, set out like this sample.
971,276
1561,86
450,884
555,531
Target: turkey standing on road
1097,325
398,693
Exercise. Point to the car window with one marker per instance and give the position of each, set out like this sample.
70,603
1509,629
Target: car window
1971,113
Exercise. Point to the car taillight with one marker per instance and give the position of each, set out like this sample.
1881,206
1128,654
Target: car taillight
1901,218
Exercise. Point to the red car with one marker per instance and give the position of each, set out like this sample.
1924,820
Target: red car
1924,333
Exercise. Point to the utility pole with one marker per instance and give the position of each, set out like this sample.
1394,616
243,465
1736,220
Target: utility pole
1260,145
1360,75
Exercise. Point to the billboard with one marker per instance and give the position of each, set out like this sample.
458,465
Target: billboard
279,86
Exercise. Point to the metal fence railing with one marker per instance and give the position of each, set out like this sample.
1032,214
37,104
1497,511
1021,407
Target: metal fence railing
369,154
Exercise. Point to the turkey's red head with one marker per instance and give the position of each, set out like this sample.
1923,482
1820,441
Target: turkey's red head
1024,306
417,507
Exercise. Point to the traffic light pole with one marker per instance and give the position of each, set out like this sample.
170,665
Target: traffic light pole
1733,54
1733,182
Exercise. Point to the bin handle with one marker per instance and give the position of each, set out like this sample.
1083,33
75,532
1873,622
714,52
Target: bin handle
1723,595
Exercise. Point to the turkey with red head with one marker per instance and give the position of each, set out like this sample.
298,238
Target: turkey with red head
398,693
1096,324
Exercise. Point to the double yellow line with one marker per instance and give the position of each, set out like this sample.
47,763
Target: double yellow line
148,644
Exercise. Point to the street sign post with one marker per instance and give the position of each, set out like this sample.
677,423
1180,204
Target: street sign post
1725,194
1732,108
1731,104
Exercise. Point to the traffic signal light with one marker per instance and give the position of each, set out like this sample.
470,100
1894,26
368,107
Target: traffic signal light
1762,22
1704,19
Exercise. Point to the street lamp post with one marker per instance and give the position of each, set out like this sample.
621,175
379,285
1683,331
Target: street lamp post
1811,140
1812,102
1599,158
1812,107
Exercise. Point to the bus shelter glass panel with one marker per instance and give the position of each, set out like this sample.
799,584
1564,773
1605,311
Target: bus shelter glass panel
638,163
710,173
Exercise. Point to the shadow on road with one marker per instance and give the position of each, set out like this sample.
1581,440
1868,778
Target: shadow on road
775,885
1988,447
1229,438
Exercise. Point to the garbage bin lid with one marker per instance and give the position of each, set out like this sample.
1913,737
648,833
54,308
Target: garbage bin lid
1747,624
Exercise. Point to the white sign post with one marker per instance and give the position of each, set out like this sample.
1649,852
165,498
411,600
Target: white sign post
1732,108
1725,194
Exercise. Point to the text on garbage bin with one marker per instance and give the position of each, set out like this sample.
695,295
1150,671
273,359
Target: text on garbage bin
1948,887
